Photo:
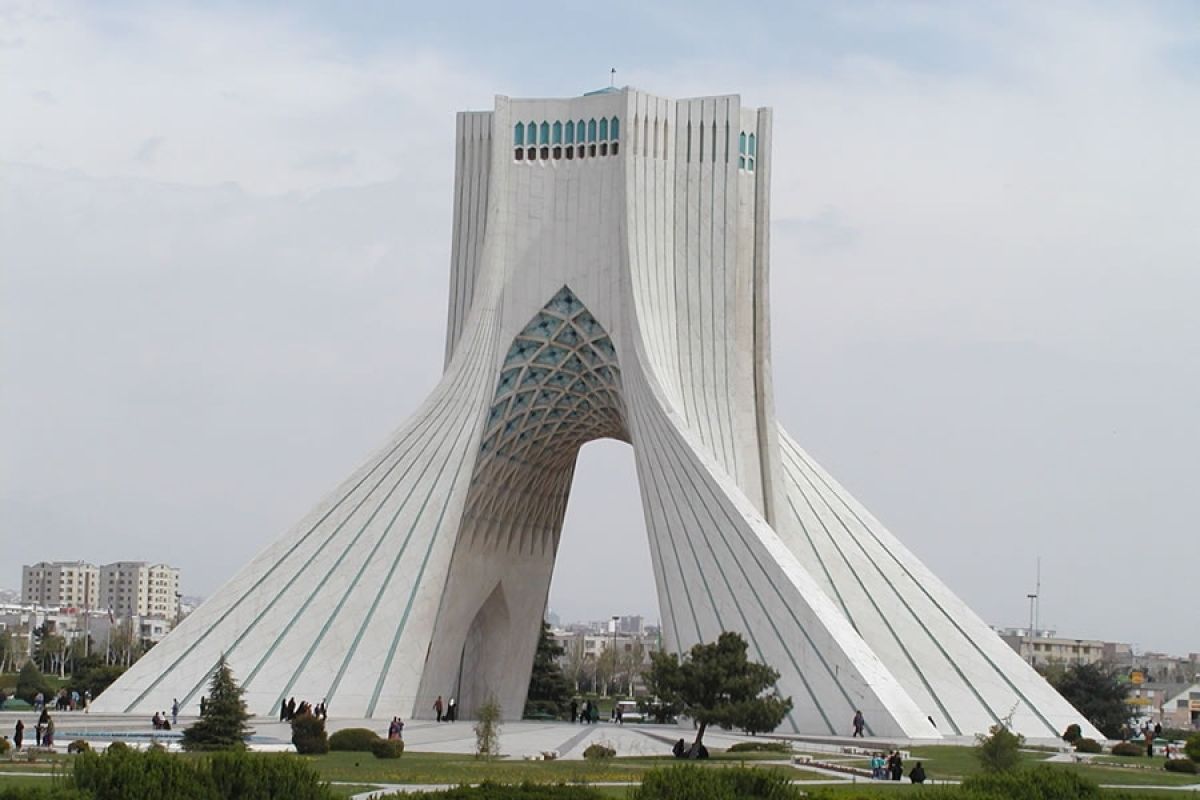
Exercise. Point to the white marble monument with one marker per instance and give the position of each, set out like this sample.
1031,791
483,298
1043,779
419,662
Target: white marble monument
609,276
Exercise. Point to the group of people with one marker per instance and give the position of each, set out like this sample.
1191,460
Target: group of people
589,714
63,701
288,710
396,728
891,768
43,731
161,721
446,711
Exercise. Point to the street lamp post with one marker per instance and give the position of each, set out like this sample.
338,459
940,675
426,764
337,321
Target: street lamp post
613,675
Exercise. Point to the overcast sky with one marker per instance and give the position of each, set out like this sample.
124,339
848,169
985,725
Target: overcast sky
225,232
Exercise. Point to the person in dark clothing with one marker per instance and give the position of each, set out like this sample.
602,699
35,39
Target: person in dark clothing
19,734
282,710
437,707
918,774
860,722
574,710
680,749
896,766
291,711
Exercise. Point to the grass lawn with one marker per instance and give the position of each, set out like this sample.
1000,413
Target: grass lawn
351,789
23,781
1130,777
415,767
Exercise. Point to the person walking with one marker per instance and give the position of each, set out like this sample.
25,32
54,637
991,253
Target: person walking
918,774
437,707
452,709
175,712
574,710
282,710
48,736
860,722
19,734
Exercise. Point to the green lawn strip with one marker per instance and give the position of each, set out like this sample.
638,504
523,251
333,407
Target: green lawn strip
881,789
955,761
449,768
24,781
1117,776
351,789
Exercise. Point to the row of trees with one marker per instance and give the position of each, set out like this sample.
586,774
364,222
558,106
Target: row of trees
612,672
55,655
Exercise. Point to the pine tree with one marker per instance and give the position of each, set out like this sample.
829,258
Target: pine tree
222,724
549,690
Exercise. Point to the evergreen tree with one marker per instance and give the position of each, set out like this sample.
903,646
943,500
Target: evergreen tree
717,684
1097,693
222,725
30,681
549,689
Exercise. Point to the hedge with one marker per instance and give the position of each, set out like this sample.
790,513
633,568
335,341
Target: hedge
1128,749
388,748
499,791
1086,745
1181,765
356,740
760,747
697,783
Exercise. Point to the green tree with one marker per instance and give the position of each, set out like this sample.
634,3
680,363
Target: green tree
222,725
1097,693
549,691
487,730
1000,750
716,684
30,681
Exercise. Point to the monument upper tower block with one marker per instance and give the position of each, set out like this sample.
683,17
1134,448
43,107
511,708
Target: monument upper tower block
608,278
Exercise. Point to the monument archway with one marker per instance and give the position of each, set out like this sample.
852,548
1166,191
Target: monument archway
609,273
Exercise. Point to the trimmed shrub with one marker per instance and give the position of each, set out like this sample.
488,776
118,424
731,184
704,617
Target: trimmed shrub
760,747
1192,747
1073,733
246,776
1038,783
354,740
1182,765
1128,749
597,752
388,748
5,746
1086,745
698,783
308,735
128,774
79,746
117,747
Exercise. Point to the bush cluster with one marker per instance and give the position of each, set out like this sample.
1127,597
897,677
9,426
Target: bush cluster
79,746
388,748
760,747
1128,749
355,740
1073,733
596,752
122,773
698,783
1192,747
1086,745
308,735
1185,765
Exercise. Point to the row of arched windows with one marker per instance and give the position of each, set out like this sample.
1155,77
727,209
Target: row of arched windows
573,139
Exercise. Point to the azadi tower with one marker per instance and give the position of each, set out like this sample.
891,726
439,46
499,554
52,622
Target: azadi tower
608,278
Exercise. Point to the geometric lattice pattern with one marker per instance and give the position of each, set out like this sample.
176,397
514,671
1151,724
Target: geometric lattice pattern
559,388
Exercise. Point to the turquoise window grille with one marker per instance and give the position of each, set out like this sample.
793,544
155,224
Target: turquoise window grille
556,136
570,132
616,128
591,130
519,134
604,129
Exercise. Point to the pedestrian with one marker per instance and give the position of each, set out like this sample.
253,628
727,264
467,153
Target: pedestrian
282,710
574,710
896,763
291,711
437,707
860,722
175,712
877,766
394,728
620,714
452,709
918,774
87,700
202,705
48,736
19,734
1149,742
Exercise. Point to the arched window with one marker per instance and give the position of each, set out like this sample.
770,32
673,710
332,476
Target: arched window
591,130
604,129
557,134
753,149
545,131
742,143
519,134
616,128
570,133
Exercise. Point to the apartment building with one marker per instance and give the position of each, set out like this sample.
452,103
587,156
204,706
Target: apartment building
60,584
